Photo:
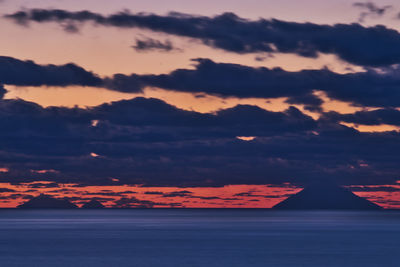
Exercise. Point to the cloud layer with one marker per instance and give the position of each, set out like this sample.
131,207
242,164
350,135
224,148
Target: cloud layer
354,43
370,88
28,73
147,141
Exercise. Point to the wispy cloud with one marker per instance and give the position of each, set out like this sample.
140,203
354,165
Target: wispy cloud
149,44
372,10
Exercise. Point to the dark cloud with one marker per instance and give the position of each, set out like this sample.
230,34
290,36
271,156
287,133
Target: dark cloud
43,185
279,196
148,142
374,189
373,117
16,196
109,194
183,193
241,120
6,190
247,194
263,57
206,198
71,28
149,44
252,194
3,91
133,202
18,72
62,191
153,193
370,88
127,137
375,88
366,46
370,9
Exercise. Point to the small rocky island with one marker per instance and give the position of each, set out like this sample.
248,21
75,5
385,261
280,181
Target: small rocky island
93,204
47,202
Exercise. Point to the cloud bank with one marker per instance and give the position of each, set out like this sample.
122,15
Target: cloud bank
149,142
28,73
354,43
372,88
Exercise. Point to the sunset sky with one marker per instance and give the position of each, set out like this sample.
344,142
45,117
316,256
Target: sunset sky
198,103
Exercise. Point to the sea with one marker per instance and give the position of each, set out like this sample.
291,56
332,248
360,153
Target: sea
198,237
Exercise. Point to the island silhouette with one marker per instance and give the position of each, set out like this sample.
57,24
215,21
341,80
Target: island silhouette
93,204
47,202
326,196
316,196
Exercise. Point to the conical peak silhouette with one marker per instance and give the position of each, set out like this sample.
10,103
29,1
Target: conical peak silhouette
93,204
324,196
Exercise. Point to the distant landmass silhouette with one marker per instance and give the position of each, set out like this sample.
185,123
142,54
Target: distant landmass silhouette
93,204
47,202
326,196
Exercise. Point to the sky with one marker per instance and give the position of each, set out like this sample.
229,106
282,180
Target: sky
198,103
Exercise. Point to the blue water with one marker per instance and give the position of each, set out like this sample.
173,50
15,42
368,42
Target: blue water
198,238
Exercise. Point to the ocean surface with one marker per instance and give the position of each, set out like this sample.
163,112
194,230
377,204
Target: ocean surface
187,237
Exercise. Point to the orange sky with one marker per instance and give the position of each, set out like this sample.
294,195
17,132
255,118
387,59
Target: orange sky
259,196
230,196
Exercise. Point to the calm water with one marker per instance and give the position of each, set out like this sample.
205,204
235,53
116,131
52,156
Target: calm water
198,238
